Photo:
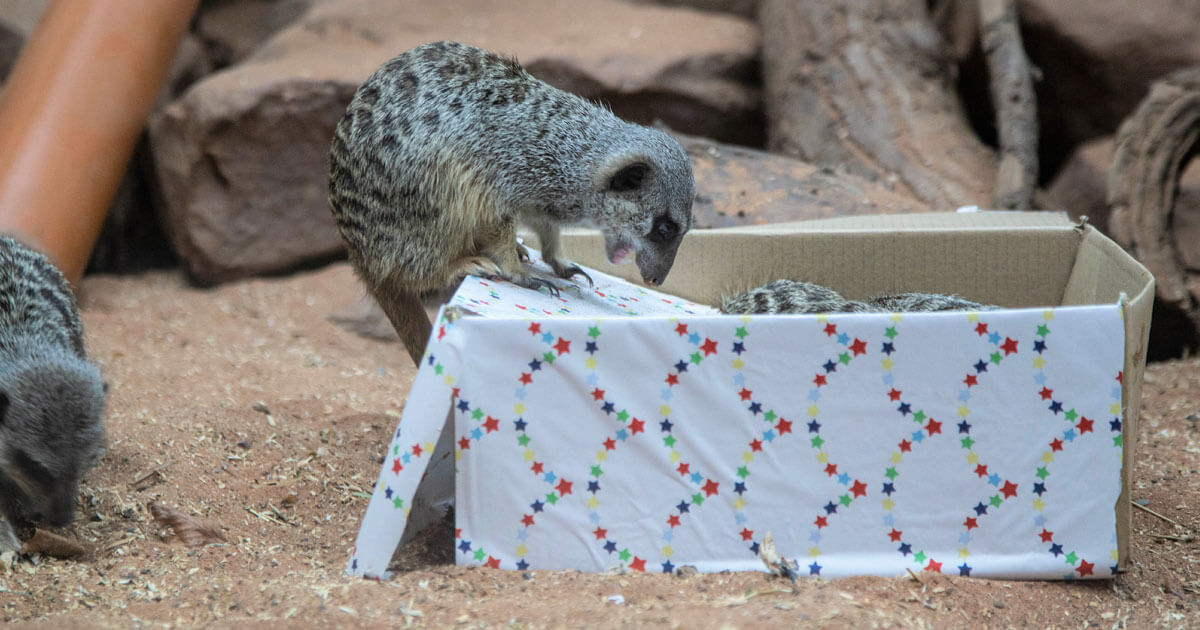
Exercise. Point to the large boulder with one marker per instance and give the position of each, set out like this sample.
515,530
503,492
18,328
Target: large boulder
242,155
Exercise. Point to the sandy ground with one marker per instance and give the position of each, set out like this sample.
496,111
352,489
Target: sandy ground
245,409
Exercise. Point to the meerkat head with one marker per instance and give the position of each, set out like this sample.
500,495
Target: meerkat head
647,191
51,432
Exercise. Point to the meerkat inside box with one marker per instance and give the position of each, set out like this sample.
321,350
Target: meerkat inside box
614,426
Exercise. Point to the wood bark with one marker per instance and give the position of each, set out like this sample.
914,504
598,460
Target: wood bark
1014,102
1152,148
866,85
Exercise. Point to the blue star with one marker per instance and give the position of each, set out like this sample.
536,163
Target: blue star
668,535
963,427
387,491
964,395
1055,406
696,477
519,393
918,436
769,435
694,338
406,457
964,538
964,570
739,347
1039,488
1040,520
755,407
1039,346
682,507
547,337
889,520
608,407
681,367
522,565
1056,549
550,477
354,565
830,366
740,517
981,366
666,425
519,423
610,546
814,426
814,395
432,361
831,508
593,379
889,348
904,549
844,479
476,433
888,379
980,509
463,405
668,567
590,347
1116,392
739,487
889,488
815,536
994,337
397,433
622,435
994,479
843,338
739,379
464,546
904,408
1069,435
814,568
754,548
1113,569
1115,425
1040,378
593,486
535,365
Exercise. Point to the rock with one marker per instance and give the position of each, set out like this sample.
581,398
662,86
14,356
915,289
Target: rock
232,29
11,42
744,8
241,156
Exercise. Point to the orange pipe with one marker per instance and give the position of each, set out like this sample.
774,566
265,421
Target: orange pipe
70,116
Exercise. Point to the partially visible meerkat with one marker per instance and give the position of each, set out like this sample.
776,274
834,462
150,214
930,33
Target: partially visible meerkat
792,296
447,147
51,396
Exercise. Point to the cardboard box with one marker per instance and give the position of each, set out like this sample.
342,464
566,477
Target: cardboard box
571,465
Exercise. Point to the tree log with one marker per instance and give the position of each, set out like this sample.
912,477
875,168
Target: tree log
866,85
1014,102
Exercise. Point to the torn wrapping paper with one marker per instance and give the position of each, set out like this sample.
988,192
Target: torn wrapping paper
619,427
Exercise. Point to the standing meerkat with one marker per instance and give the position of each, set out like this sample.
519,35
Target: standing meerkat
51,397
447,146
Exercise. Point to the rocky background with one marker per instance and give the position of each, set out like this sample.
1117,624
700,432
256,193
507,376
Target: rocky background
880,108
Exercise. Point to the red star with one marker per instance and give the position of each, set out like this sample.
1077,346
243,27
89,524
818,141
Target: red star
600,533
684,468
564,487
1120,375
416,450
981,470
464,443
895,535
562,346
527,520
971,380
1056,445
971,523
821,522
441,332
491,424
1046,535
681,329
710,487
831,469
636,426
638,564
859,489
933,426
709,346
1084,425
454,393
493,563
610,444
672,379
894,394
905,446
745,394
597,394
535,328
536,468
526,378
673,520
1009,346
747,534
783,426
1085,567
756,445
1046,393
858,347
1009,490
819,379
933,566
458,533
981,329
397,466
830,329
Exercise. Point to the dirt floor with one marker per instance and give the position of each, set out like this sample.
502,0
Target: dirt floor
246,410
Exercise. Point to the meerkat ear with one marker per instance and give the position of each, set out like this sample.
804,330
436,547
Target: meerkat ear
630,177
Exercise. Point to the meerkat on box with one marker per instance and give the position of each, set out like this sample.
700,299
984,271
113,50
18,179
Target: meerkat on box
51,397
447,147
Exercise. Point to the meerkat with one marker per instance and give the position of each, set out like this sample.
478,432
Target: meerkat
792,296
51,396
446,147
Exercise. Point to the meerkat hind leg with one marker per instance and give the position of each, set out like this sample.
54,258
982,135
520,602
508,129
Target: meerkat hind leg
547,234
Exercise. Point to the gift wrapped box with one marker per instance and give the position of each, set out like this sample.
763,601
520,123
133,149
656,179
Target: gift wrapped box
614,426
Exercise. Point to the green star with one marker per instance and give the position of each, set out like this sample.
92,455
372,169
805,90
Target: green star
696,358
891,473
919,417
743,472
1117,441
844,499
1042,473
548,357
622,415
1043,330
996,356
920,557
1071,558
479,554
597,471
477,414
396,450
817,441
625,555
844,358
967,443
697,499
552,498
995,500
523,440
437,369
594,332
1071,415
398,503
669,441
741,332
770,415
890,333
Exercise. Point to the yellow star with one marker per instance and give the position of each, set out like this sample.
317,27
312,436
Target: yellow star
888,504
1039,362
522,550
1038,504
739,503
528,455
667,551
963,553
813,552
813,411
738,364
897,457
822,456
590,363
745,319
747,457
972,317
601,455
1115,409
1114,555
964,411
896,317
887,364
406,512
972,457
519,408
1048,314
821,319
1047,457
674,457
449,380
664,410
593,503
458,455
428,446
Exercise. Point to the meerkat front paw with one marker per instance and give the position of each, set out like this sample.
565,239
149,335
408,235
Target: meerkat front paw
566,270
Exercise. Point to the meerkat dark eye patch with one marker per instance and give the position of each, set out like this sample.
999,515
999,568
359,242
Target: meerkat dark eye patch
664,230
36,472
630,177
